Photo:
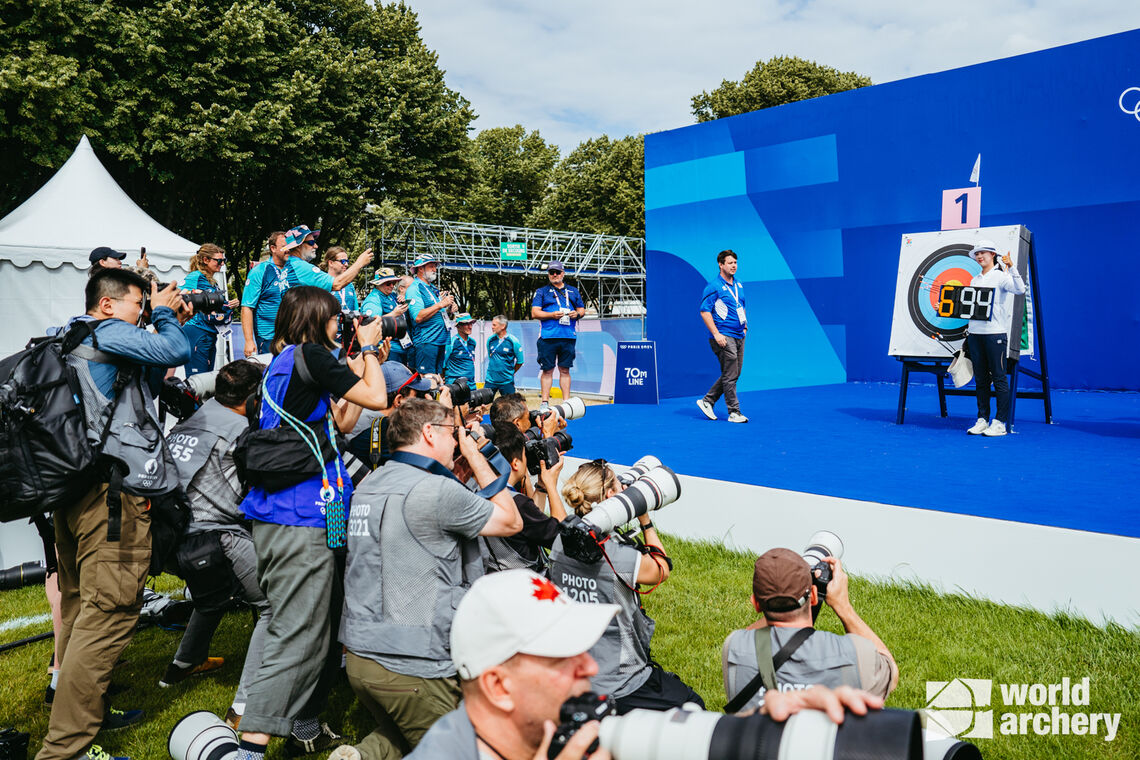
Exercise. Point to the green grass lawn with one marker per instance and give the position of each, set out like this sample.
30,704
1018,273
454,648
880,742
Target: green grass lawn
933,637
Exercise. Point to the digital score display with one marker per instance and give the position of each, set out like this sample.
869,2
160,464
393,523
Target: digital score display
965,302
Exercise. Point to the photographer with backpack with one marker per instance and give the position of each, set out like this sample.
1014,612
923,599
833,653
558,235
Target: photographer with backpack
103,538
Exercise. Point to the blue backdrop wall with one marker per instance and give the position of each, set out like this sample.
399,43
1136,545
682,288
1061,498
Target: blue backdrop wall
814,197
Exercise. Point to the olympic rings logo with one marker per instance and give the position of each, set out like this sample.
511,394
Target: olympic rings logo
1135,109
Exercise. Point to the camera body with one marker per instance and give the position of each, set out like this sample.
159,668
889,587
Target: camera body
203,303
539,450
391,327
462,393
823,543
575,713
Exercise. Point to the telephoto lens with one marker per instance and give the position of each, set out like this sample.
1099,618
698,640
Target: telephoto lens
201,735
640,467
653,490
570,409
546,450
27,574
808,735
392,327
206,303
460,392
481,397
823,543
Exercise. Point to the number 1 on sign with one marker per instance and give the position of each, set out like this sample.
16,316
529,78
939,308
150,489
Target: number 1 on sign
962,208
964,199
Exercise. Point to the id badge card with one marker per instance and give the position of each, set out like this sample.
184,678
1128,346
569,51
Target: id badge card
406,341
565,319
741,316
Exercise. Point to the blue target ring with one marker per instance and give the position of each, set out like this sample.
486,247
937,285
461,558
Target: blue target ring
937,269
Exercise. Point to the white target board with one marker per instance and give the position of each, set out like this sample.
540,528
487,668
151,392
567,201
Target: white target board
930,260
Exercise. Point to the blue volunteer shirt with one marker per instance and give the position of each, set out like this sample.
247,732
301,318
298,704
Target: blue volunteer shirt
421,295
723,301
503,355
208,322
460,361
376,304
347,297
266,284
550,298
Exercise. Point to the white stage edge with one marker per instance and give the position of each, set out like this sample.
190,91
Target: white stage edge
1042,568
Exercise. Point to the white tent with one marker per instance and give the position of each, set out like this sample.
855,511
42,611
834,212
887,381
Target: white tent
44,249
44,245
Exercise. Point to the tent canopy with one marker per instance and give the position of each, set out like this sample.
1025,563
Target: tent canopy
81,208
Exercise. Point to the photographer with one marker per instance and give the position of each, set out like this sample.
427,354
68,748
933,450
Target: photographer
520,647
202,329
427,306
526,548
783,591
412,553
460,359
103,540
626,669
368,441
203,447
299,519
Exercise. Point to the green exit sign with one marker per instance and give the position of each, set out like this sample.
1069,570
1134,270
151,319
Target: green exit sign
512,251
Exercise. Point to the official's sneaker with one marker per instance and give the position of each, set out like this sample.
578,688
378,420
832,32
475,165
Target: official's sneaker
175,674
345,752
115,719
233,720
997,427
979,427
95,752
544,407
707,408
295,747
737,417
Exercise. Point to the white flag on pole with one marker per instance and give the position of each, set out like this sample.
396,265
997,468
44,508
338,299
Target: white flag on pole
977,172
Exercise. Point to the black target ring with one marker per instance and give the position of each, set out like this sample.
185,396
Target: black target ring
945,328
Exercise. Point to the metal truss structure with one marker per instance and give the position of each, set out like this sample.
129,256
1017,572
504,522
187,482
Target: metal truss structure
609,270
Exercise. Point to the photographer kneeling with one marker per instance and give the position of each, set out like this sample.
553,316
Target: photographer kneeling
217,558
626,669
782,589
413,553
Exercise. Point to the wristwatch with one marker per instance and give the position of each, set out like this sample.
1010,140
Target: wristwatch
370,349
646,526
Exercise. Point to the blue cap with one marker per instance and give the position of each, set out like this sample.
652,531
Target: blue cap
555,266
426,258
396,376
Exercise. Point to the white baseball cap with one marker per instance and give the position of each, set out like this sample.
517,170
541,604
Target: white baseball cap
984,245
520,612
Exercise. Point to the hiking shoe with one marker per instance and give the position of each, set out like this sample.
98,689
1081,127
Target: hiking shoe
295,747
49,696
345,752
997,427
95,752
175,674
737,417
707,408
115,719
979,427
233,720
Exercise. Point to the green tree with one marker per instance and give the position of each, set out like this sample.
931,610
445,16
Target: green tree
599,187
225,119
513,169
780,80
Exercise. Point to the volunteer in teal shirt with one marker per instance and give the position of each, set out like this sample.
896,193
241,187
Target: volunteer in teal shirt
384,301
427,305
504,358
460,361
201,330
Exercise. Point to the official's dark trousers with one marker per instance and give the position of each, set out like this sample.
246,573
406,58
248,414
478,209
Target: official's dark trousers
731,357
988,354
100,587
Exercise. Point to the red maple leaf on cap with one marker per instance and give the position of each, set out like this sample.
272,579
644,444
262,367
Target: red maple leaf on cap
544,590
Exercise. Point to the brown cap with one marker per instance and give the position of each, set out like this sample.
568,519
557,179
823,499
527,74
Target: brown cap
781,580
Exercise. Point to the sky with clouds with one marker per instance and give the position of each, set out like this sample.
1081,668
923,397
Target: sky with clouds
578,68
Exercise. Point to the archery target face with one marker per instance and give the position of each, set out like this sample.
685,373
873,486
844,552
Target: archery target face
927,261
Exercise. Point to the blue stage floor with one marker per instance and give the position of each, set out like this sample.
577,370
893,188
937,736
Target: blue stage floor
1082,472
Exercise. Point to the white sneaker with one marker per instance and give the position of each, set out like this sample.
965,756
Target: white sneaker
345,752
979,427
737,417
997,427
707,408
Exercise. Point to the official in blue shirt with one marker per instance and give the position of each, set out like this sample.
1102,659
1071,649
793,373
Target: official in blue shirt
722,309
427,305
504,358
559,307
460,361
202,329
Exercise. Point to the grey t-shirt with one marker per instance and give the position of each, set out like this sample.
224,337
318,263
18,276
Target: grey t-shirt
411,554
623,651
825,659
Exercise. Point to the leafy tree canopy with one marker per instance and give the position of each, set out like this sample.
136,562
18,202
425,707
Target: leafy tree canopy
775,82
513,169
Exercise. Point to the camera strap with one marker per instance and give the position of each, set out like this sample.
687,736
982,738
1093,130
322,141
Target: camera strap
430,465
767,664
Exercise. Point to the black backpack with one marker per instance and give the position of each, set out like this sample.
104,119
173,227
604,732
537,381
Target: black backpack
46,459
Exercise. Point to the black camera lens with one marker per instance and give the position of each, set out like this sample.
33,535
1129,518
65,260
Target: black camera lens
482,396
393,327
205,303
460,392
